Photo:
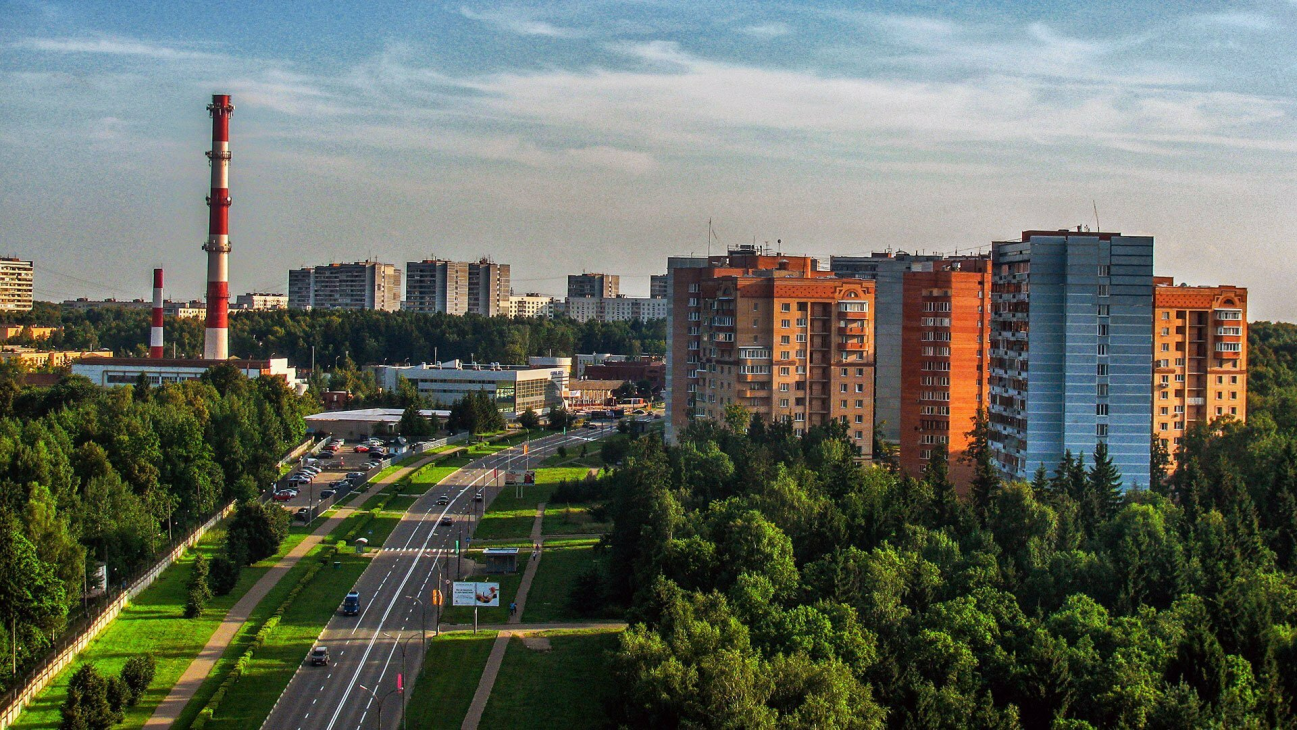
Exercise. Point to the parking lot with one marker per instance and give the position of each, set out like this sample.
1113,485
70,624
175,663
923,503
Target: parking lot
333,470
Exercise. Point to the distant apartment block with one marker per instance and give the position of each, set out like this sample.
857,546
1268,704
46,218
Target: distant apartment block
1071,357
616,309
259,301
946,317
774,334
1199,357
531,305
457,287
15,285
659,286
190,309
581,286
359,285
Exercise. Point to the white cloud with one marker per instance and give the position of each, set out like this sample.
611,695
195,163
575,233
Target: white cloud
519,23
1236,20
116,46
768,30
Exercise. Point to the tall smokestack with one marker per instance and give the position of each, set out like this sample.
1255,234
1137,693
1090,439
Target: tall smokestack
155,332
215,340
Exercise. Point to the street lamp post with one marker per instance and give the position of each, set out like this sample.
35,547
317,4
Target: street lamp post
379,700
400,644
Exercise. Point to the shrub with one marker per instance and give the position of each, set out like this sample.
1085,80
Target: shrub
588,596
137,674
224,575
87,706
199,592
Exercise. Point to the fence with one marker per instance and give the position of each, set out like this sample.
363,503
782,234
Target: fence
81,632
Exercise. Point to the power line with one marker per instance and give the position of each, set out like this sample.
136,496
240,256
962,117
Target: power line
46,270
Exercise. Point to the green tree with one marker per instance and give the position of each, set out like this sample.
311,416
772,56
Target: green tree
413,425
199,592
256,531
137,674
86,706
529,420
986,476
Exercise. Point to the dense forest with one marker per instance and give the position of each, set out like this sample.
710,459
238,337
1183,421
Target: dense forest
92,475
772,581
341,338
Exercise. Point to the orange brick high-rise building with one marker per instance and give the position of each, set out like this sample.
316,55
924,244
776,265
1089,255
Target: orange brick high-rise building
1199,357
776,335
946,317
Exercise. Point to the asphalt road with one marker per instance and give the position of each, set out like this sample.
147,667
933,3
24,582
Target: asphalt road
366,650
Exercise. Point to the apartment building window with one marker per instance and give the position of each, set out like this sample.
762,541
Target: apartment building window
756,307
1163,411
1220,380
801,354
784,307
784,370
1233,395
801,369
783,339
1179,410
1100,409
1105,269
1166,315
860,435
1101,430
1233,380
801,321
1166,331
843,386
860,372
784,355
785,323
844,372
799,416
693,288
1103,290
1103,390
783,387
1164,426
860,418
860,388
1179,377
754,322
1102,310
1179,362
1103,329
801,338
1101,349
1166,347
1233,410
1163,395
842,404
860,404
693,301
1220,411
783,402
694,317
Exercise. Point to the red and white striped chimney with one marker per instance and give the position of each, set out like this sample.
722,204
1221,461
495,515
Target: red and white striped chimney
155,332
215,340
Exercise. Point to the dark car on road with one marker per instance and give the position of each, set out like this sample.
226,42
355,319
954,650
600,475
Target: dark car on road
443,500
351,604
447,520
320,656
477,497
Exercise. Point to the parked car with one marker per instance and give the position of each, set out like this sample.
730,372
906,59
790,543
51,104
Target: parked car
303,514
320,656
355,475
284,495
379,453
361,449
326,493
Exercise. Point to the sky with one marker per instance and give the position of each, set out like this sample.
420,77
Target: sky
570,136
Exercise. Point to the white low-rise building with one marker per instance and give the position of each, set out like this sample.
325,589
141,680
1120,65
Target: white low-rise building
110,371
514,388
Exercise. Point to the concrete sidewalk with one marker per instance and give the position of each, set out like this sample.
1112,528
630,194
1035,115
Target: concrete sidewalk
196,673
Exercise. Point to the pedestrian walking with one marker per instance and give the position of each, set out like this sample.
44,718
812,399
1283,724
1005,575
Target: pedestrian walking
513,608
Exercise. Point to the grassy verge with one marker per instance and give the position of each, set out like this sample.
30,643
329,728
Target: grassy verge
510,516
562,562
508,590
565,687
448,679
571,519
152,624
251,698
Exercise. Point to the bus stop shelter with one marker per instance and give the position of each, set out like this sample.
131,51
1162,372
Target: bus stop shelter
500,560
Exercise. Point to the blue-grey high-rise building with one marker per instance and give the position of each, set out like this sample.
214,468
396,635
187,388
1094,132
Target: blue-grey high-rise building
1071,361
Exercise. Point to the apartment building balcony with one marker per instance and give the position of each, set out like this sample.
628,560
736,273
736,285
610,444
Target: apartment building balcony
754,393
752,377
854,316
1196,401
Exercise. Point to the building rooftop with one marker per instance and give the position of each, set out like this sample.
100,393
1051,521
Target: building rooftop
370,415
175,362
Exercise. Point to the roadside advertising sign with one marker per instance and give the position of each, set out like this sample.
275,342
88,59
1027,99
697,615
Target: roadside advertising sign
476,594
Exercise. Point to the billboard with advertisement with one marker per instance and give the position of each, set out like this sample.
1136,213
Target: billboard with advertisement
485,595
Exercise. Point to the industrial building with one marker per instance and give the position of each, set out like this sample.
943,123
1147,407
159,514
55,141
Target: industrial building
111,371
514,388
1071,354
1199,357
15,285
776,335
355,286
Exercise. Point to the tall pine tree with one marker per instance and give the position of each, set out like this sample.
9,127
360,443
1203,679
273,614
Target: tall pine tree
986,476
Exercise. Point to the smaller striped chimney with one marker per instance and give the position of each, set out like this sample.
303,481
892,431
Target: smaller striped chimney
155,332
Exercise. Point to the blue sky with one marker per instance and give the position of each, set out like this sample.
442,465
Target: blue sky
602,136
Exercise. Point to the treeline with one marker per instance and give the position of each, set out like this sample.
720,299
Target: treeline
773,582
91,475
340,338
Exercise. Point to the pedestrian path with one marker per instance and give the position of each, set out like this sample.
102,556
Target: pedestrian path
493,662
183,690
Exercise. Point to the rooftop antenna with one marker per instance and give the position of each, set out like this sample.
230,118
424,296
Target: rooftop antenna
1096,214
709,238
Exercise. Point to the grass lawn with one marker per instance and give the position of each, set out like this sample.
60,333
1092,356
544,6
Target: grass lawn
152,624
508,589
561,688
559,567
448,679
250,699
571,519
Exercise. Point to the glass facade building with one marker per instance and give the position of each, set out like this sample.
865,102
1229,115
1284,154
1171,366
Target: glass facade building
1071,358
